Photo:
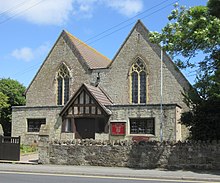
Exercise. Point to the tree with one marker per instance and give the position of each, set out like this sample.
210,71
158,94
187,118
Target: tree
11,94
191,32
214,7
3,101
204,117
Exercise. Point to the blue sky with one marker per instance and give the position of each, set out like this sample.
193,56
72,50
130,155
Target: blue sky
29,28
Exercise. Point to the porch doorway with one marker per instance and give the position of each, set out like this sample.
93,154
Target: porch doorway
85,128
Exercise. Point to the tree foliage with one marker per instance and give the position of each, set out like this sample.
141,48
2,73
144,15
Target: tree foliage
214,7
191,32
204,117
11,94
3,101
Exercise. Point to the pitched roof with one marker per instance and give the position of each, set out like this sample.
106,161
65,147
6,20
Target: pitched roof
98,94
93,58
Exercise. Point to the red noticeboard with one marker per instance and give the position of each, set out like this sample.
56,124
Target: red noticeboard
118,128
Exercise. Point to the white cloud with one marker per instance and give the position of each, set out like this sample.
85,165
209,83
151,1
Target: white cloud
25,54
126,7
42,49
54,12
58,12
85,8
28,54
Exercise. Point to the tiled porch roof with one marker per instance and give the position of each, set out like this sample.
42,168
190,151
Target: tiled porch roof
98,94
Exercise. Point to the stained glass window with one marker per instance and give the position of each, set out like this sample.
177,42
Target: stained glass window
63,78
138,82
66,89
134,76
142,87
59,90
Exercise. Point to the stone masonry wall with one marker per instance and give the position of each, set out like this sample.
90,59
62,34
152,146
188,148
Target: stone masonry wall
42,91
116,81
187,155
171,131
20,114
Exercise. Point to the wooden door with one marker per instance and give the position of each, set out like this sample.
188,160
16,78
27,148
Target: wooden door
85,128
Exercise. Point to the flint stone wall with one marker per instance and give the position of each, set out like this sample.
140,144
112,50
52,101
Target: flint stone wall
187,155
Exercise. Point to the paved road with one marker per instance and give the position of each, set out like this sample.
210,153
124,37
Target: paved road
18,177
181,175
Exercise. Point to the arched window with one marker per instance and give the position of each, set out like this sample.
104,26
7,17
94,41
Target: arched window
63,78
138,82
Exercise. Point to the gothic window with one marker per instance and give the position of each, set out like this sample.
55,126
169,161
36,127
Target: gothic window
138,82
63,78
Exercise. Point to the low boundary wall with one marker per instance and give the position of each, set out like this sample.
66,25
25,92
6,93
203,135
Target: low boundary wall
181,155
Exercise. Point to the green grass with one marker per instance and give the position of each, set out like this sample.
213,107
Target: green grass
25,149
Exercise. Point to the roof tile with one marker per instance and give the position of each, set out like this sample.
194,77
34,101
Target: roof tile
93,58
99,94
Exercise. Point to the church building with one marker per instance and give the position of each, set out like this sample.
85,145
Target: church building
78,93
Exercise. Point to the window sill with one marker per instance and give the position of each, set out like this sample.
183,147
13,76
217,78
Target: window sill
141,134
32,133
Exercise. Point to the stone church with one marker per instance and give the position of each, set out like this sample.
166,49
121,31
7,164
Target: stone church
79,93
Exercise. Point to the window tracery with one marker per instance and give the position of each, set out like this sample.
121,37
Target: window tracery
63,81
138,83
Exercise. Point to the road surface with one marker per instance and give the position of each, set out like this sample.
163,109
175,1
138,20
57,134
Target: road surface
22,177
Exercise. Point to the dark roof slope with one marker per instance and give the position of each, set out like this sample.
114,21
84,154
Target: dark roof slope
93,58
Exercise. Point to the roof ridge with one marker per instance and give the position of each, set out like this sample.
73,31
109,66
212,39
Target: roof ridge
83,43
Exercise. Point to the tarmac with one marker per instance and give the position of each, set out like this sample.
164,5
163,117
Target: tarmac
28,164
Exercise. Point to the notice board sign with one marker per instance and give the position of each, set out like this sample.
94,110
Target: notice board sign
118,128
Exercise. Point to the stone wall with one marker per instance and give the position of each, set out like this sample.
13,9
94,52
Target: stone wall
115,80
43,89
187,155
171,118
20,114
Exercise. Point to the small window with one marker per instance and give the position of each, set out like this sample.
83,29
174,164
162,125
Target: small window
142,126
35,124
67,126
